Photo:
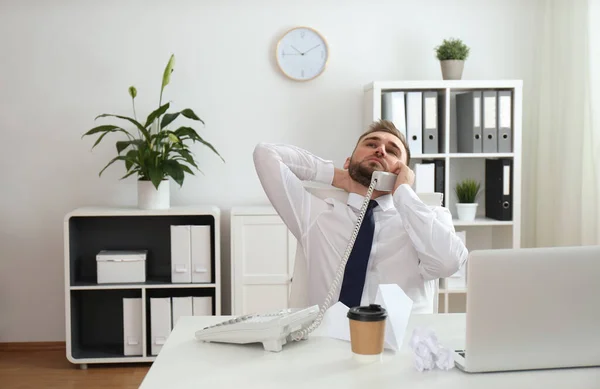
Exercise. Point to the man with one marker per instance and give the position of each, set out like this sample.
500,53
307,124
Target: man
409,243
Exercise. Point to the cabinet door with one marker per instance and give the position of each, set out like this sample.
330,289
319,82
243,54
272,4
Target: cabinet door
262,255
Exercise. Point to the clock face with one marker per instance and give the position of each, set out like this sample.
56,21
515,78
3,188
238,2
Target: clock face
302,54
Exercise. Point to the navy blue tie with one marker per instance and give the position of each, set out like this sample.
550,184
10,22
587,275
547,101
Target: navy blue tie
356,267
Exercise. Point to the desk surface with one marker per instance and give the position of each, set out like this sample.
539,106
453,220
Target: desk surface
321,362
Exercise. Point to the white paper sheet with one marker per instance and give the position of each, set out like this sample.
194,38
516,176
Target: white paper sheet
391,297
399,306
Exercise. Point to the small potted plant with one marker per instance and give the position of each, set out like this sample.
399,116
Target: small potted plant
153,151
452,54
467,192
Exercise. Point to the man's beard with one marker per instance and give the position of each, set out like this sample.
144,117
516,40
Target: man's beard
362,172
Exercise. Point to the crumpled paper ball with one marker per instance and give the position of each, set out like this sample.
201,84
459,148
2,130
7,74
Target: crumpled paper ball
429,353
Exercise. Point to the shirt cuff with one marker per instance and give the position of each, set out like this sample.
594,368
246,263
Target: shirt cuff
407,201
402,191
325,170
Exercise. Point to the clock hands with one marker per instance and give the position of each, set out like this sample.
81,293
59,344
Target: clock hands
303,53
311,49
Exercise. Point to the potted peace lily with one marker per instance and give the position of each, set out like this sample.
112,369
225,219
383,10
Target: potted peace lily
467,192
452,54
153,150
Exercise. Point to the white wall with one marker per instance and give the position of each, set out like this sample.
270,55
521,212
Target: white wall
64,62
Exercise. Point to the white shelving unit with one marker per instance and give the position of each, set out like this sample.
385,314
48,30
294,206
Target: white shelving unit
93,312
483,232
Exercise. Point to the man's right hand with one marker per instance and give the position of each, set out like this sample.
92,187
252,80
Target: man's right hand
341,179
404,173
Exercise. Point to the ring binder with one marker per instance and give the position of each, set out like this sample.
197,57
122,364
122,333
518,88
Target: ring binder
504,121
498,189
468,120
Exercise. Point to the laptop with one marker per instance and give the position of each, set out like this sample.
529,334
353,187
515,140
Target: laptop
532,308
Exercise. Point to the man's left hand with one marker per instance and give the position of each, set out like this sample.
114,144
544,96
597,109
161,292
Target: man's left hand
404,173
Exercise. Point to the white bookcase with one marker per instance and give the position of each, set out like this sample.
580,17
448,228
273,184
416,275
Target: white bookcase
483,232
94,312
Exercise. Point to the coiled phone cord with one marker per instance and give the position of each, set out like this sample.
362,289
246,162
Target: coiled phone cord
299,335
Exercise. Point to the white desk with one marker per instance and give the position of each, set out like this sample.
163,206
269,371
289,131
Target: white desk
322,362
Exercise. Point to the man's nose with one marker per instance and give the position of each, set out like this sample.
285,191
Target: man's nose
380,151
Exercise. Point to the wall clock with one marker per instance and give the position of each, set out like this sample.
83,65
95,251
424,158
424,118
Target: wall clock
302,54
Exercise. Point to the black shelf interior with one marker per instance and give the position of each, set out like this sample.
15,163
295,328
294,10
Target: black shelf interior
97,322
491,185
88,235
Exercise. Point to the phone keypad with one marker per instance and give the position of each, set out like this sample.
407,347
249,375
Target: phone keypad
254,318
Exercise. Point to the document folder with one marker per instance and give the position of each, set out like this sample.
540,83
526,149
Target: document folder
160,322
430,123
440,178
498,188
414,122
132,326
201,254
424,178
182,306
490,122
181,260
202,306
393,109
468,122
505,122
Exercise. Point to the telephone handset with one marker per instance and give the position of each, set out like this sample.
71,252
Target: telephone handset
274,329
384,181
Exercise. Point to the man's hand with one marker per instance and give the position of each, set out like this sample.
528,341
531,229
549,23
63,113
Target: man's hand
341,179
404,173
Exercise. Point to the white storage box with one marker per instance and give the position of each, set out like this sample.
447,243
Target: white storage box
116,266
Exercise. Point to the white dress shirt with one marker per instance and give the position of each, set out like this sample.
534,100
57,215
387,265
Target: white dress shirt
413,244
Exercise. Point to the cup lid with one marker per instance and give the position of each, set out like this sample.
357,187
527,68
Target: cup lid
372,312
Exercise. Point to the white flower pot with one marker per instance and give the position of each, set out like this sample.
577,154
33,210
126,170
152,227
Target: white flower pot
151,198
466,211
452,69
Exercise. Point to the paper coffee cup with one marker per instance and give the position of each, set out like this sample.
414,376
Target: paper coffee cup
367,332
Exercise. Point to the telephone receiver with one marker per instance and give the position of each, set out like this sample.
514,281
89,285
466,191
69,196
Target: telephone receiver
274,329
383,181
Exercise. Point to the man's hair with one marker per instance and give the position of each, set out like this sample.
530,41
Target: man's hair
389,127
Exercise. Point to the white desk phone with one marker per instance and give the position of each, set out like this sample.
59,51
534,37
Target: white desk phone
274,329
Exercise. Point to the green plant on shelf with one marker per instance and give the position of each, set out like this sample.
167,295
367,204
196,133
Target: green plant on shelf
467,191
452,49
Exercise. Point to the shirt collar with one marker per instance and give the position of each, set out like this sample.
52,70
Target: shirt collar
385,202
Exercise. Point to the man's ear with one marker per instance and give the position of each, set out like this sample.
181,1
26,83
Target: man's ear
347,163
